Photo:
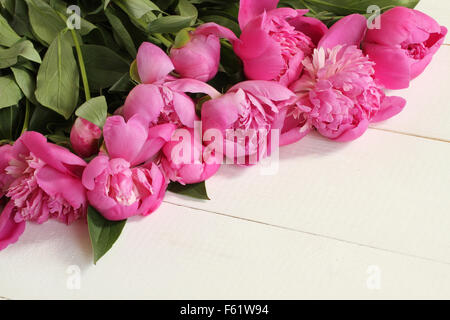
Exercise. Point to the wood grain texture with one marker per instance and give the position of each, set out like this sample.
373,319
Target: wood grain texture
311,231
185,253
384,190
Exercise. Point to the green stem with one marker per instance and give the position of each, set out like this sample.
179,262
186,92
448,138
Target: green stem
164,40
26,122
87,92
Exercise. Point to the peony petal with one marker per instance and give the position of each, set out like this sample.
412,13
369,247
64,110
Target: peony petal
193,86
56,184
145,100
159,185
312,27
93,170
256,48
392,69
153,63
217,30
390,107
124,140
10,231
185,109
220,113
350,30
354,133
158,136
249,9
267,89
56,156
403,25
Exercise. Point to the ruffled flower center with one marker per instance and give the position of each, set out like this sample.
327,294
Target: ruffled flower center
168,113
255,116
291,41
127,186
337,89
30,201
415,51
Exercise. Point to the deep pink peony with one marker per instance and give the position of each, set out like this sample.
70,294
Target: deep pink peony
248,111
404,46
117,187
41,181
199,58
274,41
337,93
194,166
84,138
161,98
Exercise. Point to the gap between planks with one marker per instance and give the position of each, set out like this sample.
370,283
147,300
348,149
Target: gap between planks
411,134
323,236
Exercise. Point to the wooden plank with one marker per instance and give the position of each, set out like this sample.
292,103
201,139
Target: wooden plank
384,190
184,253
427,112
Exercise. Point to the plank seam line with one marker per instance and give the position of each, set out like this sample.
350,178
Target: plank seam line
411,134
313,234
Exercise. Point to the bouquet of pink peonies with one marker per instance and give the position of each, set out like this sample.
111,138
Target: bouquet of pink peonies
106,105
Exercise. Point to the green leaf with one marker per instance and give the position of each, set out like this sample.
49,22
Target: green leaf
10,93
137,8
104,67
124,84
9,119
103,233
170,24
186,9
58,78
94,110
8,57
196,190
21,23
44,20
26,82
346,7
7,35
121,32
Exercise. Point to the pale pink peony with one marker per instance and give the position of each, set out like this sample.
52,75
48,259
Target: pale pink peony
41,181
337,93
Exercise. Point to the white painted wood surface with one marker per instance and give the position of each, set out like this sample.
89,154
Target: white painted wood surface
368,219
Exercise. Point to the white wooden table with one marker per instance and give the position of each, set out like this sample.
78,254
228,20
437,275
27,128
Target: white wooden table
367,219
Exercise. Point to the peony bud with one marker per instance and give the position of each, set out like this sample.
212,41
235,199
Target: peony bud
196,54
84,137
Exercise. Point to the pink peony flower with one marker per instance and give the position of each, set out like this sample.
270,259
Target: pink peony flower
404,46
245,116
41,181
117,187
84,138
199,58
194,166
337,94
161,98
274,41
